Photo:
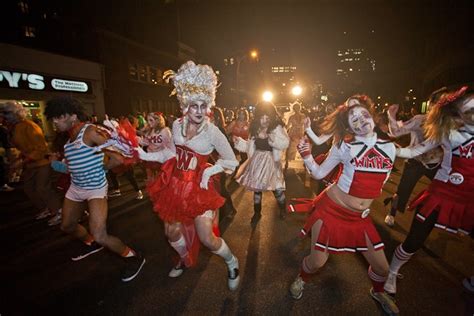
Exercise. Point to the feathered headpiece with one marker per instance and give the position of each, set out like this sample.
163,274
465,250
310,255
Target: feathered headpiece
193,83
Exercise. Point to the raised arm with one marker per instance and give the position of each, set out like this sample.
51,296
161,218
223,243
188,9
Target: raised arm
406,127
319,171
318,140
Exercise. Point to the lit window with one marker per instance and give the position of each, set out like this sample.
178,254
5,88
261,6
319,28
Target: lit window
142,73
24,8
152,75
29,31
226,62
132,72
232,61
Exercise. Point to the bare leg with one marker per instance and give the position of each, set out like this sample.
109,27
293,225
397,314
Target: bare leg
72,212
98,225
311,263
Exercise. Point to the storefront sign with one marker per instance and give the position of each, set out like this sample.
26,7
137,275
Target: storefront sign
34,81
69,85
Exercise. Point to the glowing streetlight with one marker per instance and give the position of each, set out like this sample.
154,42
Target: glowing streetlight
267,96
254,54
296,90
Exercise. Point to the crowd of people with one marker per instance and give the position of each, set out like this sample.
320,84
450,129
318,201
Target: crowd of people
187,160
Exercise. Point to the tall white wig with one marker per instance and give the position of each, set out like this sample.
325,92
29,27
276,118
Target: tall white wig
193,84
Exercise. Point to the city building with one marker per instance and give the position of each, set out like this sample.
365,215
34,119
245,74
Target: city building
132,48
32,77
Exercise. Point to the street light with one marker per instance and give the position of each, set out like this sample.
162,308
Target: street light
296,91
267,96
253,55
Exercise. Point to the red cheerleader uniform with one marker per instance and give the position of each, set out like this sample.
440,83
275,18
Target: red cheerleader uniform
450,193
367,163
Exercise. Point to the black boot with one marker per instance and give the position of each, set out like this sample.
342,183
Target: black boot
257,209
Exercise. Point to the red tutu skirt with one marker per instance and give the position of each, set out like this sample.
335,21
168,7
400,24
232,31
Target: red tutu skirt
455,207
177,196
342,230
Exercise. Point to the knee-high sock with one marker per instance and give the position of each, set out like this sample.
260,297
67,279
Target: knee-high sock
305,271
224,252
378,281
180,246
400,257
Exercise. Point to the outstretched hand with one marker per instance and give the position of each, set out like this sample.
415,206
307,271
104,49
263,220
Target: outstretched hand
307,123
392,110
304,147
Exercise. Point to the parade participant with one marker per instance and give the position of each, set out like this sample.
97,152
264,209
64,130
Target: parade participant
184,194
339,220
263,170
414,169
447,202
29,139
84,161
228,207
240,128
156,136
295,128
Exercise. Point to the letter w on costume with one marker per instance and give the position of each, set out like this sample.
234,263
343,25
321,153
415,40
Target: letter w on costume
184,158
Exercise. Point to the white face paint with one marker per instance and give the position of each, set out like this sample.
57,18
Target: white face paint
264,121
360,121
197,112
64,122
466,111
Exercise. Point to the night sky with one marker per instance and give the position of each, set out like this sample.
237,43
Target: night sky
395,33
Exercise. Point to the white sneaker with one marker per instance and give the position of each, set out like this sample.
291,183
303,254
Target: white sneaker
177,270
390,220
43,214
297,287
139,195
6,188
114,193
391,284
56,219
233,279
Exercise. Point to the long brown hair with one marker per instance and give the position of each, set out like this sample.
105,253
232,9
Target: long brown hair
444,115
337,122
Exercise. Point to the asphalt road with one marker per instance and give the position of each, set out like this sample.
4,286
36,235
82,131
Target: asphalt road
38,277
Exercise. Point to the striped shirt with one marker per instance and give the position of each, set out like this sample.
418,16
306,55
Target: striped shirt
85,165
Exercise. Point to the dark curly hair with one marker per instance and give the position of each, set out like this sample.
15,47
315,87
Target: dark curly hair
265,108
60,106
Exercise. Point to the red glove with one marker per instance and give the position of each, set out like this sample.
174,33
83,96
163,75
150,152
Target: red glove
304,147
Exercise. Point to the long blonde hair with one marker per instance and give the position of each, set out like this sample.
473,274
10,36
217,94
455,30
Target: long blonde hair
444,115
158,116
337,123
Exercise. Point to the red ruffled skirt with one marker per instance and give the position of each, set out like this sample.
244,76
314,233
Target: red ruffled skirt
177,196
342,230
455,207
